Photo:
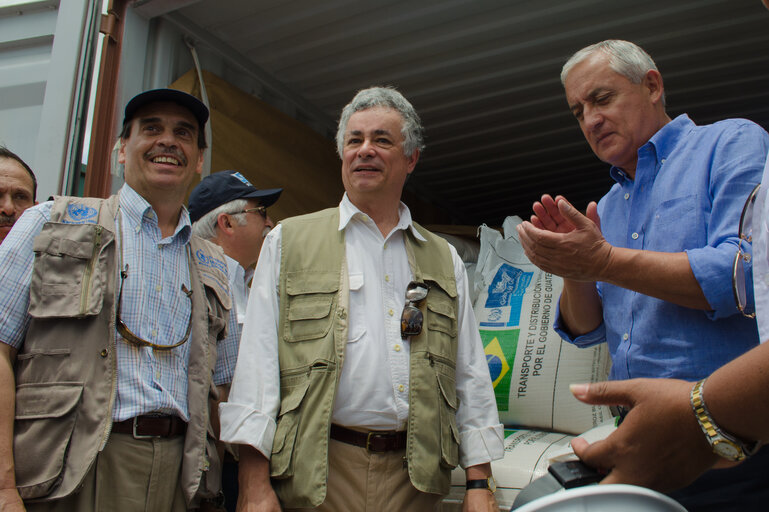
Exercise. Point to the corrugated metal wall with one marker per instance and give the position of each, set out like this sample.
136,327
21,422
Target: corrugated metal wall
484,75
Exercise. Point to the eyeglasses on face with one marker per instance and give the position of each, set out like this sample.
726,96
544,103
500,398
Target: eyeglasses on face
261,210
738,268
130,337
412,318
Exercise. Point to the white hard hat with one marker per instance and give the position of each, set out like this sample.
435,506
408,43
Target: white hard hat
604,498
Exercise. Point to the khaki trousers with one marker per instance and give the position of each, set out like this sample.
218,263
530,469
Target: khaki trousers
360,481
129,475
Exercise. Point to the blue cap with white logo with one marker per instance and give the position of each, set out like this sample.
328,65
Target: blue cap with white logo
225,186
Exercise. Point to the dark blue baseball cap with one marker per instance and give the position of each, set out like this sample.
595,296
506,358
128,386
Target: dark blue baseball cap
190,102
225,186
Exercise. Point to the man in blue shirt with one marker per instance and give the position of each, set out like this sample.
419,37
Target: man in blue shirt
648,270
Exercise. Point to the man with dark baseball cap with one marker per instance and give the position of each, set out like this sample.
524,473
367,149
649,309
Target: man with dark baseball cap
226,209
137,307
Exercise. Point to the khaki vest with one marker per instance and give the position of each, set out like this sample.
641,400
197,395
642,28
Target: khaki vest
314,294
66,378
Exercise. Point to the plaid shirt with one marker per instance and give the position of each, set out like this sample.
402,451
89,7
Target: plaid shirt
153,306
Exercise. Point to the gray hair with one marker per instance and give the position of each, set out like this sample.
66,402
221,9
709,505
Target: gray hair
626,58
385,97
205,227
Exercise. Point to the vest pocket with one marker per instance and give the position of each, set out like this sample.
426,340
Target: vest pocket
310,299
443,314
45,420
281,461
448,414
69,274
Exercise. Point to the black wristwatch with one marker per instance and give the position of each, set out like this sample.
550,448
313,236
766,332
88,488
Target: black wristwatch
483,483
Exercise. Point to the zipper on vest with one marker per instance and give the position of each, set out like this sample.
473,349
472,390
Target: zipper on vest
85,290
113,363
440,359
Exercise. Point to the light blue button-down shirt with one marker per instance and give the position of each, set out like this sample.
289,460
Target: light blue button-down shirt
153,306
689,188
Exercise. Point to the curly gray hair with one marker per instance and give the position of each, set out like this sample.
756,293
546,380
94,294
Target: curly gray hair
386,97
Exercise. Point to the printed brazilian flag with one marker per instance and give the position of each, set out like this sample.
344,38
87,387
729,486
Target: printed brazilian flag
500,349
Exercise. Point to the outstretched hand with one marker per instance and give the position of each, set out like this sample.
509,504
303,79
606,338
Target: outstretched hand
658,445
562,241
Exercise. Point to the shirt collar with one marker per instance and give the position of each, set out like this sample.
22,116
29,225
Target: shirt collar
137,211
661,144
235,269
348,211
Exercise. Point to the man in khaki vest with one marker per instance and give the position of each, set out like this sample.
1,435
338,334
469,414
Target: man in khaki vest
361,380
115,332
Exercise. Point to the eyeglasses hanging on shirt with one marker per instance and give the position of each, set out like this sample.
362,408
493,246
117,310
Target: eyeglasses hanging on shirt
129,336
739,286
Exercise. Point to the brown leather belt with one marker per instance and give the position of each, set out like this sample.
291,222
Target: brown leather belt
151,426
373,441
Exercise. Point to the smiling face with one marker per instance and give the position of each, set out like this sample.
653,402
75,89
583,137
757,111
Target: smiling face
374,167
16,193
616,116
161,154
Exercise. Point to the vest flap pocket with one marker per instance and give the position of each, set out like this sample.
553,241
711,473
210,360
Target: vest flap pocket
293,397
443,315
448,390
63,247
299,283
447,284
69,274
449,432
34,401
45,420
309,305
281,465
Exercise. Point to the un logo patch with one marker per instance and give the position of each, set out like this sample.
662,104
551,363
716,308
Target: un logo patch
80,214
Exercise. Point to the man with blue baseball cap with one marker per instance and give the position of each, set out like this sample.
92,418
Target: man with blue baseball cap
116,334
226,209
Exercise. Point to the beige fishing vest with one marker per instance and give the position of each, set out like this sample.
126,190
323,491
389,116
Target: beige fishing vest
314,298
66,370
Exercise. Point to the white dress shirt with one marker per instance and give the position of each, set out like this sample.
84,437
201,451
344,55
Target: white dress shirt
237,276
374,383
761,256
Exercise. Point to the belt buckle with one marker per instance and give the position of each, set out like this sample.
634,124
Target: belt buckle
368,440
139,436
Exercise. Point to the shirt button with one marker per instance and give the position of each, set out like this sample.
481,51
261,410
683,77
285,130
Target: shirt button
154,333
397,348
401,388
634,236
625,336
158,288
391,312
387,278
385,245
627,196
662,161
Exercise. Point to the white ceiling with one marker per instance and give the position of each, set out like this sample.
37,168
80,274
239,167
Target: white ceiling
484,76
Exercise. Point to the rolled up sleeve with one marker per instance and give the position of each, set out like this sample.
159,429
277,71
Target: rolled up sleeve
248,416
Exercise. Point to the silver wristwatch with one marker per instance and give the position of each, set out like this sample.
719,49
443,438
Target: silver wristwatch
724,444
